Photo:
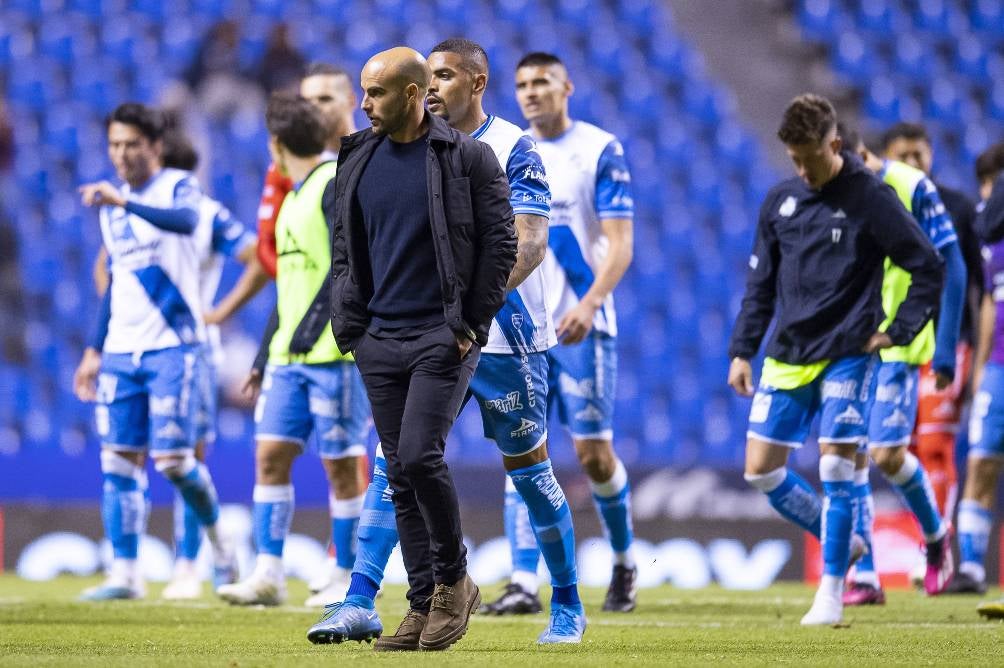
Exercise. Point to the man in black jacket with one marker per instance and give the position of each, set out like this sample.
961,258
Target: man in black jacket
817,268
423,242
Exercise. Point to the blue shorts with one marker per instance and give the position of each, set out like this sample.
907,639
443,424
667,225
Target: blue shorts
839,394
986,422
512,393
147,400
326,399
206,393
581,381
892,411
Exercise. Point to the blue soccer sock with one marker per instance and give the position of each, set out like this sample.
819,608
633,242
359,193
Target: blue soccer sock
192,480
522,540
344,526
187,530
273,515
912,482
613,502
791,496
552,523
377,531
123,504
864,518
975,523
837,475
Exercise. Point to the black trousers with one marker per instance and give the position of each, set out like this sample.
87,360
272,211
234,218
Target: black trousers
416,386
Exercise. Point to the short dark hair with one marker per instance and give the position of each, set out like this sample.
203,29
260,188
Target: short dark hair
148,121
178,151
296,123
539,59
905,130
807,120
318,68
474,57
850,137
990,162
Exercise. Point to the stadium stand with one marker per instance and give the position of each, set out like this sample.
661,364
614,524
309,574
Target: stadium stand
699,176
936,61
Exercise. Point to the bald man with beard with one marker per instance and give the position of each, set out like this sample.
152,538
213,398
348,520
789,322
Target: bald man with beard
423,242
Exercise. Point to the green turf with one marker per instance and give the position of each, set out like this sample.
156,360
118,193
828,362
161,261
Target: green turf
41,624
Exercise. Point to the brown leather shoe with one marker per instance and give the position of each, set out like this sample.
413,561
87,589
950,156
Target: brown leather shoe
449,614
405,639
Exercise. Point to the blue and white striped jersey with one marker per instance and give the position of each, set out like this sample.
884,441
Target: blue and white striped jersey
155,301
524,324
590,182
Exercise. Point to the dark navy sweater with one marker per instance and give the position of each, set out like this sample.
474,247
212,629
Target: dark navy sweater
817,268
394,201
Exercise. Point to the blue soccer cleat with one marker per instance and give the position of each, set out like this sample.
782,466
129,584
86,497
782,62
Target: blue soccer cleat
568,623
113,590
351,619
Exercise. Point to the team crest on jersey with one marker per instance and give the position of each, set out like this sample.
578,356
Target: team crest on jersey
788,207
517,320
121,228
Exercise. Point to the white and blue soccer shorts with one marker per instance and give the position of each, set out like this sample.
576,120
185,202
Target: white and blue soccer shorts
147,400
986,422
207,393
839,395
328,400
511,391
581,381
892,412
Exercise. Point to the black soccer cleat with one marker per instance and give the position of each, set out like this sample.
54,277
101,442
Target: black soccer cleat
623,592
961,583
514,601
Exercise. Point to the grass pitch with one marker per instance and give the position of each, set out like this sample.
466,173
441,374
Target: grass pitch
41,624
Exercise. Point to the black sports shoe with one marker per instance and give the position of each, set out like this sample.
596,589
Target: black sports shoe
623,592
514,601
962,583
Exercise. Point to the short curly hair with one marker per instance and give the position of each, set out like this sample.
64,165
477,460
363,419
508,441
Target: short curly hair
807,120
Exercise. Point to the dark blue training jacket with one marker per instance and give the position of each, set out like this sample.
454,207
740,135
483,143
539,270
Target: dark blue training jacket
817,265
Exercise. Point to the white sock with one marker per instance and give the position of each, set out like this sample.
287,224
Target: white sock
831,585
973,570
527,580
269,567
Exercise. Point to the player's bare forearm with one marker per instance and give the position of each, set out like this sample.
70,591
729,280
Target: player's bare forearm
620,234
250,283
531,246
100,271
984,337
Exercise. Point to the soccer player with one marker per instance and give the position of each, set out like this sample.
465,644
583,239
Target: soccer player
329,88
986,426
309,386
816,267
893,405
590,248
510,384
218,235
939,410
146,385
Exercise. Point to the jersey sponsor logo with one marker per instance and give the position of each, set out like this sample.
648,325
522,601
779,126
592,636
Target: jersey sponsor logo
839,213
506,404
897,419
788,207
525,428
531,392
107,384
889,393
620,175
761,407
172,430
549,487
840,389
850,416
576,388
589,414
164,406
336,434
532,173
754,262
324,407
835,234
